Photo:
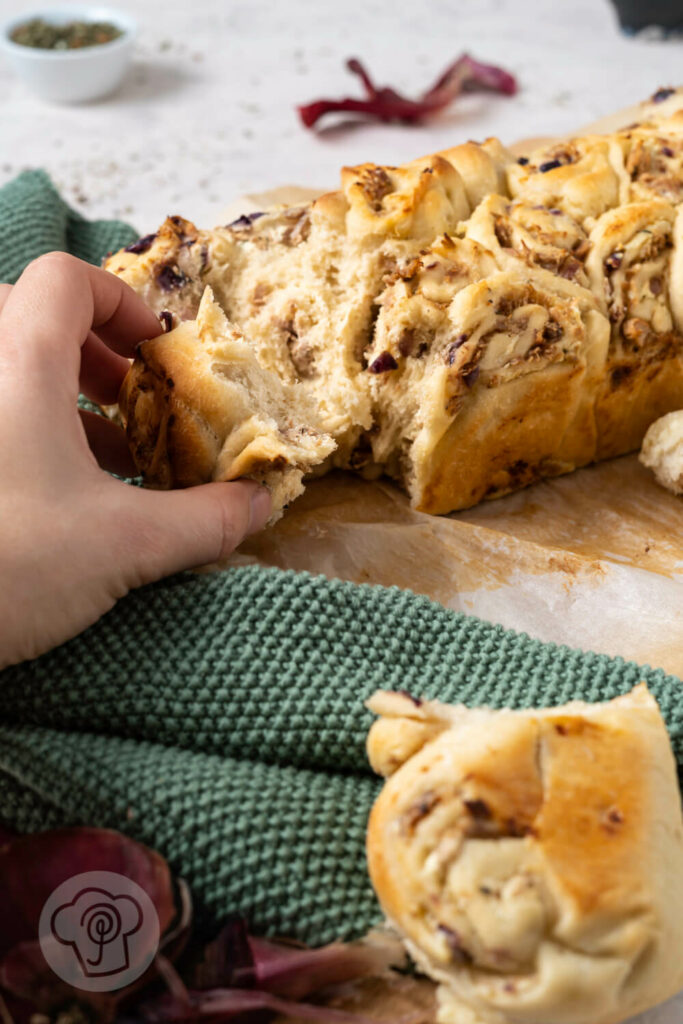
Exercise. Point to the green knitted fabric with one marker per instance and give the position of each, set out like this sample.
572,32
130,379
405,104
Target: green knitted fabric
34,219
220,719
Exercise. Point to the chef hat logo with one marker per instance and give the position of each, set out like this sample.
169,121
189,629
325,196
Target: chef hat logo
99,931
97,924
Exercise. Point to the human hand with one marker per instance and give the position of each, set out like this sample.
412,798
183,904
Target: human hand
74,539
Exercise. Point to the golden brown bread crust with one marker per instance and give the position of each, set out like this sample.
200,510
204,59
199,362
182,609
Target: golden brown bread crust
532,861
166,269
523,351
465,323
412,201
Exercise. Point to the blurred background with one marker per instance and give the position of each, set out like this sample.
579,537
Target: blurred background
208,108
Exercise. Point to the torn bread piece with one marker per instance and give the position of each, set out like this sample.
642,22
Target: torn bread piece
531,860
167,268
198,406
301,281
662,451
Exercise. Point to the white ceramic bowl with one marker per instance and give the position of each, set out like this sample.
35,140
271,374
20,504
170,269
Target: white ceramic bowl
71,76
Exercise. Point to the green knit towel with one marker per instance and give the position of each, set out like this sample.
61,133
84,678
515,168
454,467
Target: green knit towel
34,219
220,719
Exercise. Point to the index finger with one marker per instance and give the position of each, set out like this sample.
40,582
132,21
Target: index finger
58,299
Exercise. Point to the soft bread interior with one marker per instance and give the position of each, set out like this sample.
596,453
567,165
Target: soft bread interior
199,406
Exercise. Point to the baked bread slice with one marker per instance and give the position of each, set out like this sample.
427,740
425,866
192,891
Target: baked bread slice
200,407
531,860
467,323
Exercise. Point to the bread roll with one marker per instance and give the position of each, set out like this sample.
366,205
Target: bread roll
662,451
583,176
531,860
520,234
653,159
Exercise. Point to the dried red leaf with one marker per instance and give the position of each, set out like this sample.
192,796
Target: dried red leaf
227,961
32,867
386,104
25,975
173,941
236,959
469,75
6,836
239,976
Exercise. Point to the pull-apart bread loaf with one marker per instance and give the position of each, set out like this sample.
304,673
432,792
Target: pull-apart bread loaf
466,323
531,860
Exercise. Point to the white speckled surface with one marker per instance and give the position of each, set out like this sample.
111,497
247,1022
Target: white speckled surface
207,112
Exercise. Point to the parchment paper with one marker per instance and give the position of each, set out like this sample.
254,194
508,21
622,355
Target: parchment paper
594,560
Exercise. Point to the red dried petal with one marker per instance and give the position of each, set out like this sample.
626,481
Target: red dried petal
25,974
407,111
386,104
467,74
235,959
6,836
228,960
356,68
31,868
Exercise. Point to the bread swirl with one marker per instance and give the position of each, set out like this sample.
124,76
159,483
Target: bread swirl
460,322
629,265
478,361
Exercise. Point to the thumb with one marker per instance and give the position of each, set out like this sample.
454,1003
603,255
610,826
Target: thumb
168,531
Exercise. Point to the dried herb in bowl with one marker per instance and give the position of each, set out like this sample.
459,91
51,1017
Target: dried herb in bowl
73,35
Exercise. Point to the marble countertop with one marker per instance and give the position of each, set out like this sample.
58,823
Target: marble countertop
208,109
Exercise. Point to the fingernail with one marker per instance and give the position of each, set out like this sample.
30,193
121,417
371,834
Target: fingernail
261,505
